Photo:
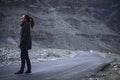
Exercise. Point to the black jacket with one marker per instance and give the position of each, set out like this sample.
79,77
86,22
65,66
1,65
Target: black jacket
25,40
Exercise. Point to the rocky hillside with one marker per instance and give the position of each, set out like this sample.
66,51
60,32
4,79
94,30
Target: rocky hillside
107,10
65,24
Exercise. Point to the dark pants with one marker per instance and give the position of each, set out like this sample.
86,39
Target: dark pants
25,58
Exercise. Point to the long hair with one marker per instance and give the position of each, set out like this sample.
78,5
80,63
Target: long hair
30,20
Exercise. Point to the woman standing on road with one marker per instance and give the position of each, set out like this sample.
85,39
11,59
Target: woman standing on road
25,43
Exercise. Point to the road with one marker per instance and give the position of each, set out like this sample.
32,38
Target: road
76,68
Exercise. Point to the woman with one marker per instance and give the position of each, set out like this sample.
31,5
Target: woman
25,43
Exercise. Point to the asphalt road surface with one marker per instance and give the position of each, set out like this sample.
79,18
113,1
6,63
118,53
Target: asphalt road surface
83,65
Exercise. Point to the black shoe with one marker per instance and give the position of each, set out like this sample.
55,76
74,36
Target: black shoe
27,72
19,72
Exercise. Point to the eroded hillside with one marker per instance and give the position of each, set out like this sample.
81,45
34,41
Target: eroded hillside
64,24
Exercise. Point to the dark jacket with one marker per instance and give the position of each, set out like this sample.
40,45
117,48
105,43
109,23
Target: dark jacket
25,40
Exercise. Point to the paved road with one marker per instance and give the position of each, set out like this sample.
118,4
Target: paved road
84,64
